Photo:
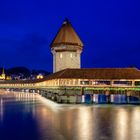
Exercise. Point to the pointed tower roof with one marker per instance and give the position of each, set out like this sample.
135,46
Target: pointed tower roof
66,36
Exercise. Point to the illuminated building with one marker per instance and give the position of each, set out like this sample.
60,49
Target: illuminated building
3,76
8,78
69,79
39,76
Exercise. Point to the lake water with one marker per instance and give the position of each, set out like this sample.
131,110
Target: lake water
31,117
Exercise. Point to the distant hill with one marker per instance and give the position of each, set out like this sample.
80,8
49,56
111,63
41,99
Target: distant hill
18,70
25,72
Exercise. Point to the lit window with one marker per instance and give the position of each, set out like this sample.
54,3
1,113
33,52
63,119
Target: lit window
101,82
61,55
71,82
84,82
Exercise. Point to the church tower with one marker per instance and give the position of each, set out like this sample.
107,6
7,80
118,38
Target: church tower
2,76
66,48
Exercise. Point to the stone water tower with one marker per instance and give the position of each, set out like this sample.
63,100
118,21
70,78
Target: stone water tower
66,48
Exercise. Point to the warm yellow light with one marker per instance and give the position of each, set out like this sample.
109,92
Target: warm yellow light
8,78
2,76
39,76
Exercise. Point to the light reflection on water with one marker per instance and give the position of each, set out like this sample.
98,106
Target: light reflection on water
40,119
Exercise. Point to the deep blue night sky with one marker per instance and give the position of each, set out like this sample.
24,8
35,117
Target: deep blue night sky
110,30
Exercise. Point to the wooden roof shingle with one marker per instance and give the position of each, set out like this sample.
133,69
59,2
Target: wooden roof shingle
66,36
97,73
87,73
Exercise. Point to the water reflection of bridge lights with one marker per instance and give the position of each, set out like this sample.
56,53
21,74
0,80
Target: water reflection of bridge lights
135,130
1,109
121,124
50,103
22,96
85,124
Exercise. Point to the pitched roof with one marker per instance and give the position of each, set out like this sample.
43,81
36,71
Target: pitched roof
88,73
98,73
66,36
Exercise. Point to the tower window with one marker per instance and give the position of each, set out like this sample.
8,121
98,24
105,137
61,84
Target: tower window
61,55
71,55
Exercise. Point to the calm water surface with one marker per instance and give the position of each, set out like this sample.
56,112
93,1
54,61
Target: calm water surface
30,117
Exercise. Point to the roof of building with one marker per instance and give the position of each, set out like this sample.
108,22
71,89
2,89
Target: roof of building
66,36
87,73
97,73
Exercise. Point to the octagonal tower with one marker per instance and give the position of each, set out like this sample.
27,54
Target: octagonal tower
66,48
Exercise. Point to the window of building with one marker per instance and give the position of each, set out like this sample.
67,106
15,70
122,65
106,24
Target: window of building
84,82
137,83
123,82
101,82
56,82
61,55
76,82
71,55
71,82
67,82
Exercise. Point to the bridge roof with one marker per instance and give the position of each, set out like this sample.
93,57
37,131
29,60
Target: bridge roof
88,73
97,73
